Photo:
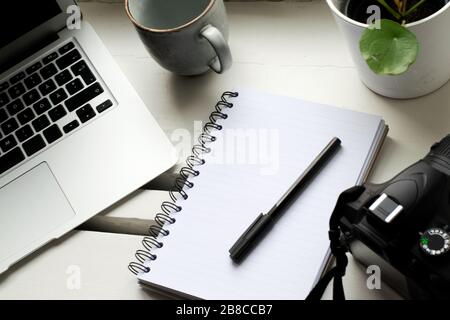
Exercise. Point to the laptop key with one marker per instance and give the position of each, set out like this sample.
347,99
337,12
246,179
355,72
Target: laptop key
104,106
66,48
3,99
57,113
63,77
68,59
17,77
4,86
8,143
52,56
31,97
16,91
47,87
86,113
83,97
26,116
9,126
81,69
3,115
58,96
24,133
74,86
33,145
48,71
52,133
11,159
15,107
33,68
32,81
71,126
40,123
42,106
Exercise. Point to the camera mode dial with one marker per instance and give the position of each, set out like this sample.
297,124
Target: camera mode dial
435,242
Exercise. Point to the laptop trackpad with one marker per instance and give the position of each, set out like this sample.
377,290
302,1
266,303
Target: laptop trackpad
31,207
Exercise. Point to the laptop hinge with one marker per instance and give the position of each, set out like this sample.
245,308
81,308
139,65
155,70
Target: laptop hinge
28,51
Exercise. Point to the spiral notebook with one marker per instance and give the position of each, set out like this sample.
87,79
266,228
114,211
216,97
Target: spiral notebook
252,149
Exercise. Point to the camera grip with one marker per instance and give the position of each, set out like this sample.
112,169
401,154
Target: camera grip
442,148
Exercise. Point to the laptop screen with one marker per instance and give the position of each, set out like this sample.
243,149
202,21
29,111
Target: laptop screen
20,17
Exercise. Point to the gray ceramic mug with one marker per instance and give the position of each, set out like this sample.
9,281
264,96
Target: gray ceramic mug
187,37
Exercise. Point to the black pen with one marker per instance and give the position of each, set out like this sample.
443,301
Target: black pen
264,221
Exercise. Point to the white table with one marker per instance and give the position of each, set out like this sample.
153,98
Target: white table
288,48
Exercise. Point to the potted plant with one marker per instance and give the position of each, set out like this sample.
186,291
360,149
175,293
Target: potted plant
400,47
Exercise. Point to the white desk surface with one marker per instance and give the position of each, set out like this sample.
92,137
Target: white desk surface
287,48
81,265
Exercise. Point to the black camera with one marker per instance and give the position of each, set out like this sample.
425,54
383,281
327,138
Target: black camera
401,225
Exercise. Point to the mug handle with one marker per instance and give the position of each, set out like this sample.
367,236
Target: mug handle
223,60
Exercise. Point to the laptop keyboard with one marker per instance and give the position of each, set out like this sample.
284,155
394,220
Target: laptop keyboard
47,100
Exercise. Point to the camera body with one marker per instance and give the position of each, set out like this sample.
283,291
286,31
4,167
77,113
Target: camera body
402,226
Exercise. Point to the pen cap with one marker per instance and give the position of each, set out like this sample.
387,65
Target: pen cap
248,238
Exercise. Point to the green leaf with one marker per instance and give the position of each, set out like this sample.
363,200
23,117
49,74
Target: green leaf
389,50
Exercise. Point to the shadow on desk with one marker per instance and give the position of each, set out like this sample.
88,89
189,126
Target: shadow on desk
187,90
28,260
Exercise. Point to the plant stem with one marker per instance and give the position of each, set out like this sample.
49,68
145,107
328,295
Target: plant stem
414,7
397,15
403,8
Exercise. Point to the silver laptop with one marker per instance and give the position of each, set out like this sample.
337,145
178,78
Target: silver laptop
74,135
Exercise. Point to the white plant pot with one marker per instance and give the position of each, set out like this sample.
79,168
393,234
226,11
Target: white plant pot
432,68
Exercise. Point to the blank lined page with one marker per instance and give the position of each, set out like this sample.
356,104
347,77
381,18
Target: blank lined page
266,143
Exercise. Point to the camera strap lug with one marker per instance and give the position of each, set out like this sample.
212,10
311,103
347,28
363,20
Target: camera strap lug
338,249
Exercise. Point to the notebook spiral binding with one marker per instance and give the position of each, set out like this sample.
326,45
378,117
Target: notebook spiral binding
178,190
